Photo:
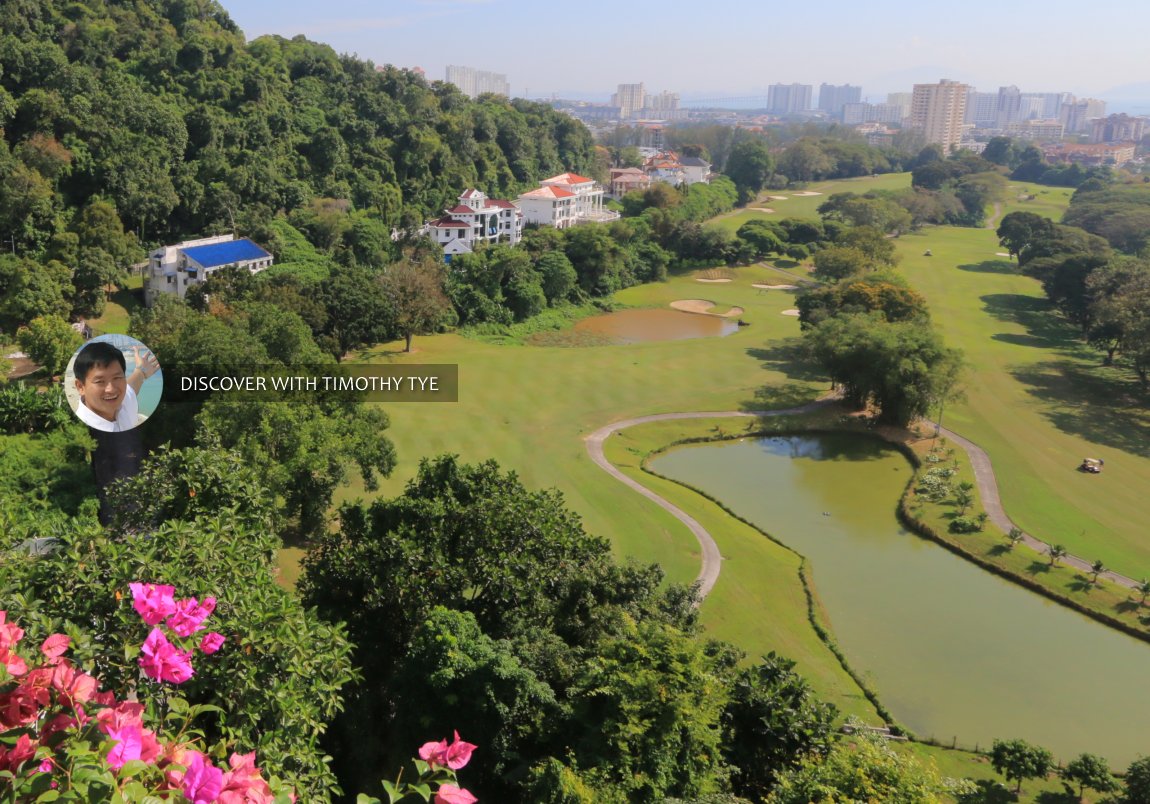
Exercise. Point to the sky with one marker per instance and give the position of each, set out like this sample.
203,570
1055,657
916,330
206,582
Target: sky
734,48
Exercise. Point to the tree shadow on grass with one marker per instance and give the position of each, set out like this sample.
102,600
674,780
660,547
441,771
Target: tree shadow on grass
988,792
787,357
1038,568
1096,404
1127,606
998,550
992,267
1051,797
1081,584
1043,326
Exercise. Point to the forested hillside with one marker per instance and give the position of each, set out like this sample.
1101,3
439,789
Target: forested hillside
160,107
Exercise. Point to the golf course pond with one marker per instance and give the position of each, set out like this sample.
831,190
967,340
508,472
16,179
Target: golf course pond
637,326
952,650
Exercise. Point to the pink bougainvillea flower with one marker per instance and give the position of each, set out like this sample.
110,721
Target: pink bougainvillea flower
54,647
10,634
45,766
126,713
23,704
12,758
211,643
152,601
434,753
75,686
163,661
189,615
202,780
129,745
243,784
450,794
458,753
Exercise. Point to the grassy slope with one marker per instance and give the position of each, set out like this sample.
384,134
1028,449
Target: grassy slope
1037,399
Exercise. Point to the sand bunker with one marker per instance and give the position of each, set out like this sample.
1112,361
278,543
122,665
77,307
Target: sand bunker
777,197
704,307
767,210
712,280
1001,254
775,287
806,193
791,311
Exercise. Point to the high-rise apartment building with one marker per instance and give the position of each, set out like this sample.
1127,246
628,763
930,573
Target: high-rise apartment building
1077,113
663,102
982,109
939,110
901,99
855,113
630,98
789,98
1119,128
832,99
473,82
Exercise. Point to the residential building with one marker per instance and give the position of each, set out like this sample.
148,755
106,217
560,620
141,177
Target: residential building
902,100
473,82
624,180
832,98
1009,106
789,98
656,105
939,110
1077,114
696,170
1038,130
176,269
982,109
476,219
665,166
855,113
565,200
630,98
1118,128
1117,153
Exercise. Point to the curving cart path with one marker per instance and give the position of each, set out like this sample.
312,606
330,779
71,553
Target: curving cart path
712,558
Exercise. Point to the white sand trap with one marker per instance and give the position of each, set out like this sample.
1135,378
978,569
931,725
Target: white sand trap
777,197
775,287
1001,254
767,210
704,307
806,193
712,280
791,311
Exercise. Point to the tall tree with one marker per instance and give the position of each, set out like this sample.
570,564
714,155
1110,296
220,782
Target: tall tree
414,288
1019,760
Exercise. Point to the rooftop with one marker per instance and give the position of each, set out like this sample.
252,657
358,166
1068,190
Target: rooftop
226,253
549,192
567,178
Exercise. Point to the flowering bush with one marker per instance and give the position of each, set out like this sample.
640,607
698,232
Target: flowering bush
437,764
62,739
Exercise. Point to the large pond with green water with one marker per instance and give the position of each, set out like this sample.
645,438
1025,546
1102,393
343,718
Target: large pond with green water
952,650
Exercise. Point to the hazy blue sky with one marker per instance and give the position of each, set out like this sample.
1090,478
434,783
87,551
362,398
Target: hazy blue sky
733,47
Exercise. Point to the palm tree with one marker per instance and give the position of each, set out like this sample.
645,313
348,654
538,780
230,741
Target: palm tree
1096,569
1057,551
1144,588
1015,536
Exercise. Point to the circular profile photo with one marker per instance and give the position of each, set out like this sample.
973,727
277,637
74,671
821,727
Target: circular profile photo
113,383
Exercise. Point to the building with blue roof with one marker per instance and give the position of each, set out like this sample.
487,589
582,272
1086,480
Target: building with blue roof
175,269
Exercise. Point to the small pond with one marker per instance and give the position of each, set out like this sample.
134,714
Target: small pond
636,326
952,650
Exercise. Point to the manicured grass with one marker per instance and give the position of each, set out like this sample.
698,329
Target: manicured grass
1038,401
119,309
798,206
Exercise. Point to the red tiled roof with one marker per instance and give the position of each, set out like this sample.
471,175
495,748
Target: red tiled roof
460,209
549,192
567,178
444,222
499,202
470,194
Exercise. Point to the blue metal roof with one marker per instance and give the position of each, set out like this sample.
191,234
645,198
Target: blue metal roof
228,253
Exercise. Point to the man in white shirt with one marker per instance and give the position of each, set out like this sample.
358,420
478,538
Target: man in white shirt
107,397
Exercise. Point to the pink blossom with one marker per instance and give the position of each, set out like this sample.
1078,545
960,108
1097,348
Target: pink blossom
202,781
164,661
76,686
211,643
458,753
189,615
45,766
153,602
54,647
126,713
10,634
434,753
450,794
12,758
243,784
129,745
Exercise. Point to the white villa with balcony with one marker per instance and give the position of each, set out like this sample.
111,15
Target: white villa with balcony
476,219
565,200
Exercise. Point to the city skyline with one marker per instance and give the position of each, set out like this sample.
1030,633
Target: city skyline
886,47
